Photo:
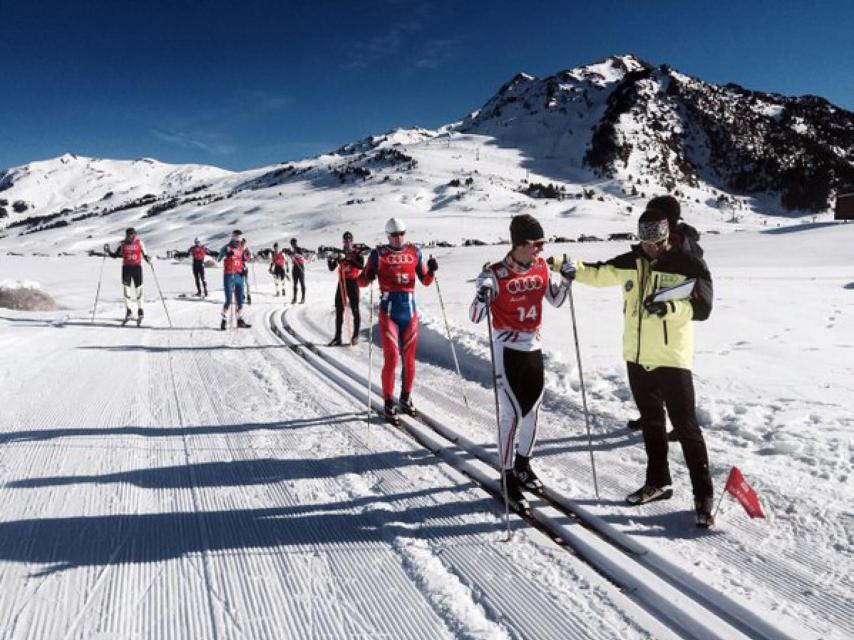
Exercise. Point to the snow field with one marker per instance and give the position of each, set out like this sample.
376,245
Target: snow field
190,483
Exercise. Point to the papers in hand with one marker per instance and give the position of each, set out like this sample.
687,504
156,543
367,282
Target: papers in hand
679,292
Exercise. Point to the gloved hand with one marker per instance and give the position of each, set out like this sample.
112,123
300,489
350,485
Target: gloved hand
432,265
147,259
229,251
485,287
567,270
655,308
107,248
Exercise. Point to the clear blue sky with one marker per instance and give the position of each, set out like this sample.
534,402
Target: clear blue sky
244,84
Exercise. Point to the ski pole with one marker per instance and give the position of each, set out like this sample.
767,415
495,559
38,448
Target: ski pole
498,423
370,347
583,393
98,290
451,342
160,291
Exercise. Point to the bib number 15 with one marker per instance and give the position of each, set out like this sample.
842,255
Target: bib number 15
529,314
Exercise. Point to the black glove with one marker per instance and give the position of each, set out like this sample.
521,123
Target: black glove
147,259
432,265
655,308
229,252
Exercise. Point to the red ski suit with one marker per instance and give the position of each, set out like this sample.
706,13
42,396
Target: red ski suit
397,270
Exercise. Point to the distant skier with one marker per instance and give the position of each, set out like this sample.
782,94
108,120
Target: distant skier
132,252
247,258
199,252
298,269
233,279
278,266
683,237
514,289
397,265
658,345
349,263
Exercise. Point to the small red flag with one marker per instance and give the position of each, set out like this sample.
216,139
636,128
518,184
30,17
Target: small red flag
737,486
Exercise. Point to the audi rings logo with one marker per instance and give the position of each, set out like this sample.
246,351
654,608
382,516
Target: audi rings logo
528,283
400,258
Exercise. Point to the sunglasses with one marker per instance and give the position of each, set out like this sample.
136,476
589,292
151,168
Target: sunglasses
654,243
539,244
397,234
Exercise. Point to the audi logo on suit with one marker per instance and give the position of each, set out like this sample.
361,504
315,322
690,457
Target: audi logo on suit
527,283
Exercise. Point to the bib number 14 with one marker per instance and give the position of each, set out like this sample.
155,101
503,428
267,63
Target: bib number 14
530,314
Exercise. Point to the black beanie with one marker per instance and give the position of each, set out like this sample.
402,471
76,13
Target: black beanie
669,206
525,228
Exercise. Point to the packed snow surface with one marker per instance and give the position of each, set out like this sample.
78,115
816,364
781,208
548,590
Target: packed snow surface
189,483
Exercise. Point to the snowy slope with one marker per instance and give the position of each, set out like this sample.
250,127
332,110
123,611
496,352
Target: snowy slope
191,483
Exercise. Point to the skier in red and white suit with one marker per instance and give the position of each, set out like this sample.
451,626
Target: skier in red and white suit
514,290
397,265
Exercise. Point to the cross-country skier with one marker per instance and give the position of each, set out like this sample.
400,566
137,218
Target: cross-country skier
232,255
278,266
349,263
514,289
247,258
199,252
658,345
397,265
298,269
132,252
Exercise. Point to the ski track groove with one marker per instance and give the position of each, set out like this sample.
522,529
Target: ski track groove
784,576
496,597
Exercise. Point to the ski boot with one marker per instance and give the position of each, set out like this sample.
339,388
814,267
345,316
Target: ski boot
128,315
335,342
390,412
525,475
673,435
303,300
206,291
139,316
248,298
514,492
649,493
242,324
198,293
223,324
405,402
354,340
703,513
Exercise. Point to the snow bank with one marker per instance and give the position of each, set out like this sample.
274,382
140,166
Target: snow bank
25,295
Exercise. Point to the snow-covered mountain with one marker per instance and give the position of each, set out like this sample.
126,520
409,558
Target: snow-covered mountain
592,142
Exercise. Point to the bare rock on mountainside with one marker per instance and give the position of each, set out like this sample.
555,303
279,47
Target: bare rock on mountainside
25,296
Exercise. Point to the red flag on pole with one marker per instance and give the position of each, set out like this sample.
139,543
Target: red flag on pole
737,486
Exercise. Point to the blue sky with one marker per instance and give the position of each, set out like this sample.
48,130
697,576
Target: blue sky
241,85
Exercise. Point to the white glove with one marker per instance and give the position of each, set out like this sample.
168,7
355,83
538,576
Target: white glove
486,287
567,271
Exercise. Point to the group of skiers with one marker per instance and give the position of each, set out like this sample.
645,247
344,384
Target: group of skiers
657,335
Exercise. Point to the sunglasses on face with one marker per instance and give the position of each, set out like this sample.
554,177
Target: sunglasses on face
397,234
539,244
654,243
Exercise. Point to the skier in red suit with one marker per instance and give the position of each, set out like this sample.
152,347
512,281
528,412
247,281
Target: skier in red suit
397,265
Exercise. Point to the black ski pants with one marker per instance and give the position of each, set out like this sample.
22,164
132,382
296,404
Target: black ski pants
199,275
299,279
132,274
673,388
352,291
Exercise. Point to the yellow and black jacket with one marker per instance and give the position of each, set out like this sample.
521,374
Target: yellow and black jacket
649,340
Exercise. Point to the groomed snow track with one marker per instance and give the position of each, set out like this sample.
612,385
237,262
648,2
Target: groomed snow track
680,601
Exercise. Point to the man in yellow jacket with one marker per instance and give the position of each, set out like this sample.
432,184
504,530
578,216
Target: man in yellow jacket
658,345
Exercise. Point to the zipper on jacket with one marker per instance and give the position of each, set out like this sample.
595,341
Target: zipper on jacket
664,324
